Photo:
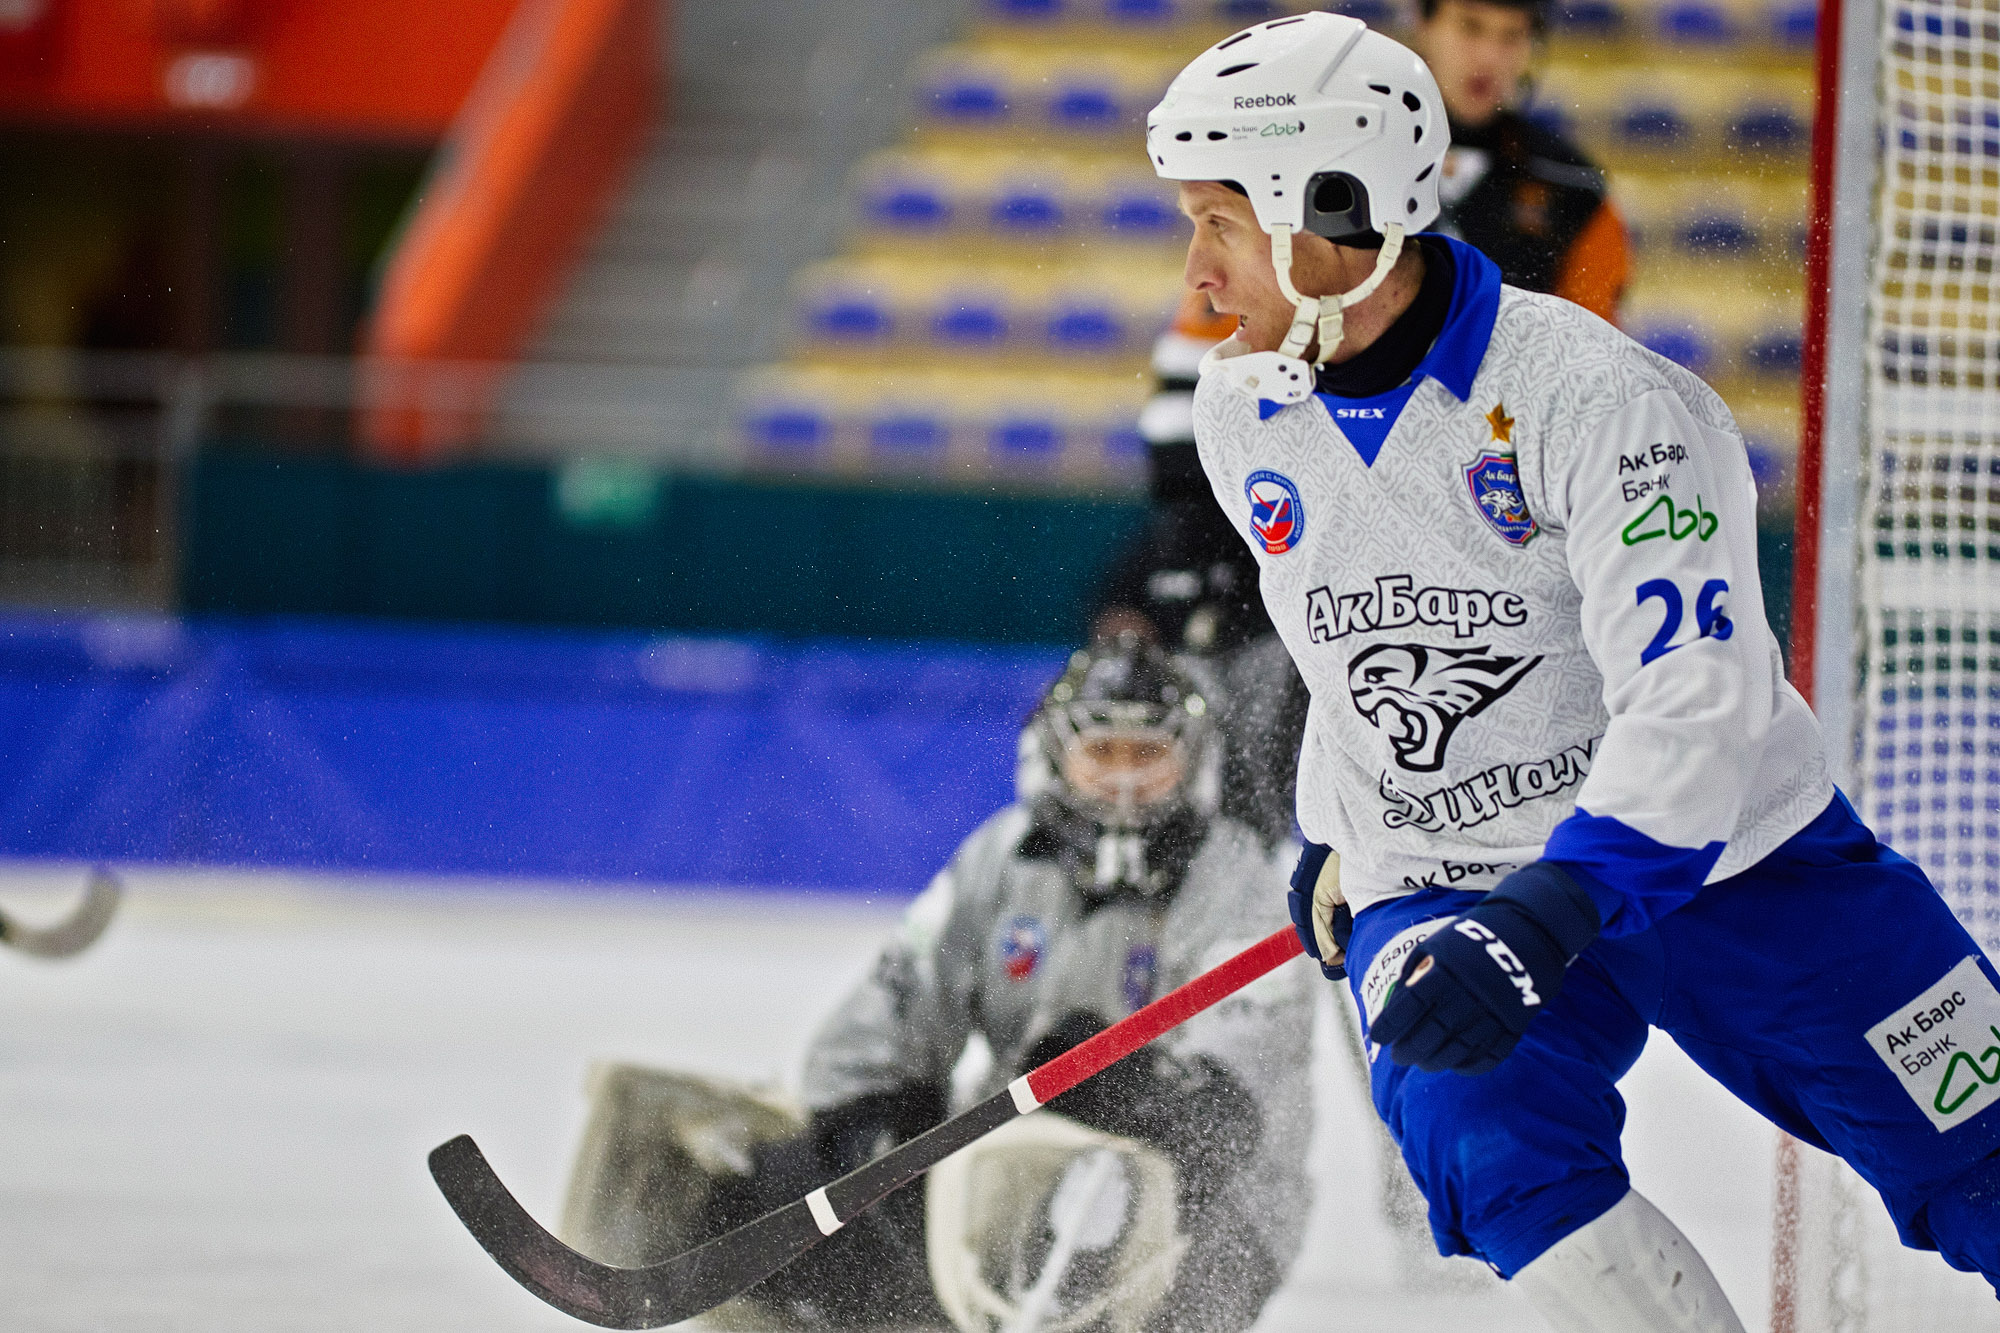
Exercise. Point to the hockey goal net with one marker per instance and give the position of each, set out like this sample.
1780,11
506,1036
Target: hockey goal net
1897,595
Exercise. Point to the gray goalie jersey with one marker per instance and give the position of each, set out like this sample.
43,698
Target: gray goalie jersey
1001,946
1522,590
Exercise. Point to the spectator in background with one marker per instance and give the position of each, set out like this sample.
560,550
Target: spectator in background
1522,193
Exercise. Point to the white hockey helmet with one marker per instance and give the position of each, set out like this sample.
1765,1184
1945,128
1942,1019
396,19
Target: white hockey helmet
1327,127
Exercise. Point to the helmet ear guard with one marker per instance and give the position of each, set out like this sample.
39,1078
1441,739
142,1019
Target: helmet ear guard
1337,208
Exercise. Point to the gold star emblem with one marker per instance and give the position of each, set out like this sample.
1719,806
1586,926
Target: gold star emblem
1503,425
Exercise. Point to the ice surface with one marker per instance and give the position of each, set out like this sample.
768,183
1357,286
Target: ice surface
216,1121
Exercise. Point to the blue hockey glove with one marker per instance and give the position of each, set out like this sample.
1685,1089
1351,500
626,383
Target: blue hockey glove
1319,913
1469,991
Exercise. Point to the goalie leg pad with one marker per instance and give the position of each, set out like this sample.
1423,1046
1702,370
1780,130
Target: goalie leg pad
1630,1269
654,1147
1045,1218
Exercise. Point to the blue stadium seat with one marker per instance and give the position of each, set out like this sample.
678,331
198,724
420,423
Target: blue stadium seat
1086,105
1245,12
1601,20
845,316
966,94
788,429
1773,352
1695,23
1025,438
1678,342
1026,208
1717,232
907,203
1768,127
1794,24
1139,210
1087,326
971,321
1654,124
903,433
1027,11
1144,11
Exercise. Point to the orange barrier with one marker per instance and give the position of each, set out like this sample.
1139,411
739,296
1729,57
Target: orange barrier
544,141
352,69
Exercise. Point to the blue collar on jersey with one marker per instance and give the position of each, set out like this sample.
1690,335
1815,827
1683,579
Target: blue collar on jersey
1453,360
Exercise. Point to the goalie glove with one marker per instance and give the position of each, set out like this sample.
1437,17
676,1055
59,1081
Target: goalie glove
1191,1108
1469,991
1320,915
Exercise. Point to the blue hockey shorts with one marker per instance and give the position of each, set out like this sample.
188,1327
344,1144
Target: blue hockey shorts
1828,986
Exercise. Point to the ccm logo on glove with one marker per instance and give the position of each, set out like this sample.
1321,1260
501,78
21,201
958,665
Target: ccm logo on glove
1468,992
1497,950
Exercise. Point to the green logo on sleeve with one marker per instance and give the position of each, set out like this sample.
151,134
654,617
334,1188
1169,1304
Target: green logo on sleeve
1664,518
1950,1098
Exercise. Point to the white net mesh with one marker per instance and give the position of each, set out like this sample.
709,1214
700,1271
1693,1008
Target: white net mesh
1927,749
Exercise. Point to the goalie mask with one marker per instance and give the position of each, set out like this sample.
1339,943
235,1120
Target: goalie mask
1121,768
1327,127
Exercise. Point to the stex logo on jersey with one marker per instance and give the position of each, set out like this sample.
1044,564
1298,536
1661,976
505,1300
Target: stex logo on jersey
1276,514
1021,947
1418,695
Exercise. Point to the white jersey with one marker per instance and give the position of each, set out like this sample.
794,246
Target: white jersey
1522,589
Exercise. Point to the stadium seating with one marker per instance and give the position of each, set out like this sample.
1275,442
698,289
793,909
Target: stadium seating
1010,262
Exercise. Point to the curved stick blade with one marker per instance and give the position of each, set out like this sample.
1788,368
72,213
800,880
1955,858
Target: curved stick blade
68,938
604,1294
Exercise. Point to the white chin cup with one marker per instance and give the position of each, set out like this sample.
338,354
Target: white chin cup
1282,379
1323,315
1630,1270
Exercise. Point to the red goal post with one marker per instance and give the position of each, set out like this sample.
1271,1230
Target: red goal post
1896,576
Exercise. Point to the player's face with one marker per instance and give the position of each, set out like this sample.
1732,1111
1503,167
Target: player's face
1124,769
1479,52
1229,259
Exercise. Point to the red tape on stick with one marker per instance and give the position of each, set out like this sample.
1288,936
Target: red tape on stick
1169,1011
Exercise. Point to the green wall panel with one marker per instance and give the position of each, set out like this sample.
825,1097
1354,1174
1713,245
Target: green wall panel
267,534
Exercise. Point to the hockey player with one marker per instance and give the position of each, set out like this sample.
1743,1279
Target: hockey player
1171,1199
1554,783
1526,197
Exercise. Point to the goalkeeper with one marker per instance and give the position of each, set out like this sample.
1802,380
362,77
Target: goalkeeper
1513,555
1162,1195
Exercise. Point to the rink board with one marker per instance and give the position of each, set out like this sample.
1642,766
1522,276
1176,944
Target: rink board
597,757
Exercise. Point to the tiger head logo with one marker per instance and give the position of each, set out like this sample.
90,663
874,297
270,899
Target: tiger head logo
1418,695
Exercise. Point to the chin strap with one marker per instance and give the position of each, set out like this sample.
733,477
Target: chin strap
1324,315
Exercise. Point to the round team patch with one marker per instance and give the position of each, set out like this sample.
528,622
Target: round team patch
1021,947
1276,514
